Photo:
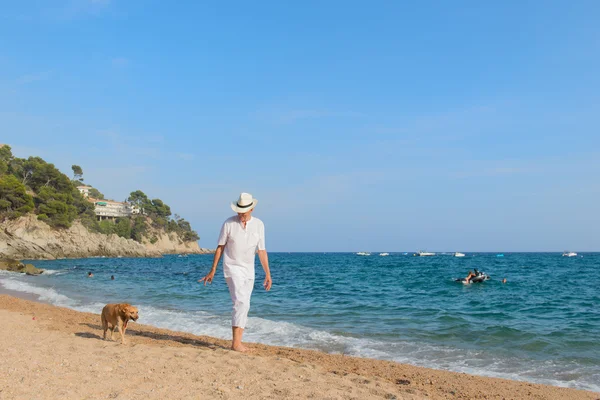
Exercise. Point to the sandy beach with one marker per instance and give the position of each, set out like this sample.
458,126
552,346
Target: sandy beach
51,352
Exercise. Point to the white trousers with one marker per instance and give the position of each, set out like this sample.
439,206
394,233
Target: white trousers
240,290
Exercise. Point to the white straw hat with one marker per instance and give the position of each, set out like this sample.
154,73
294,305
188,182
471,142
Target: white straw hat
244,204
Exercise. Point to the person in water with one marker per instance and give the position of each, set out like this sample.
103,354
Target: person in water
112,277
470,276
90,275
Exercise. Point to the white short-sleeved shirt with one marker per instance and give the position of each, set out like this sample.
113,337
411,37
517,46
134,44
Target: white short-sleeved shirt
240,246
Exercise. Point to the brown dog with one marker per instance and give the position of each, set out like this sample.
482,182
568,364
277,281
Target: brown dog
117,315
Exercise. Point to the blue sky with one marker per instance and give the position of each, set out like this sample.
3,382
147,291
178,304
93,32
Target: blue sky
359,126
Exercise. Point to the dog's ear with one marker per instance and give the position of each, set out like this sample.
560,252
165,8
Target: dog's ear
123,308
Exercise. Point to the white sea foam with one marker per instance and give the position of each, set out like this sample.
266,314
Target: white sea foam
291,335
55,271
45,294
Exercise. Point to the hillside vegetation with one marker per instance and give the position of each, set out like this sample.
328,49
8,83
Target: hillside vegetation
35,186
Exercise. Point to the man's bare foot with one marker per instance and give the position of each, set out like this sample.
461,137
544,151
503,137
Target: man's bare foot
241,348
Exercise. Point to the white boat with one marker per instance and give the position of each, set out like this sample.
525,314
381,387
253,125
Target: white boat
424,254
457,254
384,254
363,253
569,254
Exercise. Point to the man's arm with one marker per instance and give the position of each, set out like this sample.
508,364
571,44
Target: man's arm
209,277
264,261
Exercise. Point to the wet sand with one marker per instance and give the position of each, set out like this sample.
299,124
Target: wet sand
51,352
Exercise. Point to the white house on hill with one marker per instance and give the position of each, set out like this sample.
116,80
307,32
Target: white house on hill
84,190
108,209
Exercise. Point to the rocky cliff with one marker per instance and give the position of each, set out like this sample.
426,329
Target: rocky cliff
28,238
171,243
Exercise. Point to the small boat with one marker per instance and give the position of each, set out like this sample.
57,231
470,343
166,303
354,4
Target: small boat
457,254
363,253
499,255
569,254
424,254
405,253
478,278
384,254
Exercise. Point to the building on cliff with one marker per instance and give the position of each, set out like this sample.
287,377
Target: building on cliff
108,209
84,190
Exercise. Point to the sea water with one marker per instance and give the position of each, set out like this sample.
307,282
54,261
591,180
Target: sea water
542,325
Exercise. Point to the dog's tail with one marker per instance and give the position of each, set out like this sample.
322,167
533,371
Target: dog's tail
104,321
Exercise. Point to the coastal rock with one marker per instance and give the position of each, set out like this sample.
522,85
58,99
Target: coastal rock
10,265
17,266
171,243
31,270
29,238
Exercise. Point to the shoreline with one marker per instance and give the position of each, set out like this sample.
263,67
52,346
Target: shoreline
365,378
160,255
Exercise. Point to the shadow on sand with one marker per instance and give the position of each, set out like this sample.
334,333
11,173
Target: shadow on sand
88,335
151,335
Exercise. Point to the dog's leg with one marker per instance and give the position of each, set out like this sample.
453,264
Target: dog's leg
104,325
112,331
120,327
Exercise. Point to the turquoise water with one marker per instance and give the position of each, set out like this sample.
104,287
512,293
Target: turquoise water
543,325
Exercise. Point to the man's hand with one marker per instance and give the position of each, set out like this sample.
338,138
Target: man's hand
208,278
267,284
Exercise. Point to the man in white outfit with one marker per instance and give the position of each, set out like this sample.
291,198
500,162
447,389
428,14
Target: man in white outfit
240,237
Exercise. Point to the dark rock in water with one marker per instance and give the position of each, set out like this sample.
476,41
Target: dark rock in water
17,266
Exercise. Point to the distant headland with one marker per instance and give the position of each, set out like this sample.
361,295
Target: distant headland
44,214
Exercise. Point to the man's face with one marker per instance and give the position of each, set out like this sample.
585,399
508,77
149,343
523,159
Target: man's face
245,217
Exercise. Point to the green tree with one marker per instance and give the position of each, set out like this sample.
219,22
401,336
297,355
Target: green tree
37,173
85,211
138,230
14,200
191,236
161,209
186,232
95,194
123,228
77,173
54,191
5,158
22,169
58,206
6,153
182,228
138,198
107,227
